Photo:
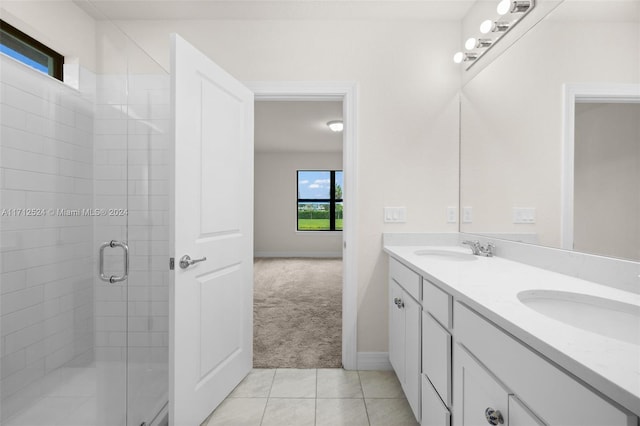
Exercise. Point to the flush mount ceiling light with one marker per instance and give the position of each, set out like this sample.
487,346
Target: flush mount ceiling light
510,13
336,125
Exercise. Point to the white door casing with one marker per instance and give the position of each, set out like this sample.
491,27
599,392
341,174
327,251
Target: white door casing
211,306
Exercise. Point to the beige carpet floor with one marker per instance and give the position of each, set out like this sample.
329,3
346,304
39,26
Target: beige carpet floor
297,313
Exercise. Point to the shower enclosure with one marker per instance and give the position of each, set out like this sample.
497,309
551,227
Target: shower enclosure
83,229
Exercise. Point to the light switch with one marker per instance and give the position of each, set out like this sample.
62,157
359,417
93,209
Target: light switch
452,215
395,214
467,214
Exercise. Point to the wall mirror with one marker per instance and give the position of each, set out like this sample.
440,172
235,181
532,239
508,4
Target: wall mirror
574,75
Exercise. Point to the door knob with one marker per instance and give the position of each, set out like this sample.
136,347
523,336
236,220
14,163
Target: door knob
494,417
186,261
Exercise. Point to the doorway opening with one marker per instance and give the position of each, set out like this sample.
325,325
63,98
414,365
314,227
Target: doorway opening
297,235
327,252
601,152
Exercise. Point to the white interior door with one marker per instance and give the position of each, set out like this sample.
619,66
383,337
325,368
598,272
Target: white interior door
211,312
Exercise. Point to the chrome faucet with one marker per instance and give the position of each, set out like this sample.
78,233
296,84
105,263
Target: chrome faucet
488,250
480,250
475,246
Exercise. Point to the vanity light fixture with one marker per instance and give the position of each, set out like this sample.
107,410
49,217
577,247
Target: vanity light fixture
504,7
510,13
470,44
513,6
336,125
464,57
486,26
490,26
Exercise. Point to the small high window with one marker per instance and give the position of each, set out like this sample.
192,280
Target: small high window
320,204
30,51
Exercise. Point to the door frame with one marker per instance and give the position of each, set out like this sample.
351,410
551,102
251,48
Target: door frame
346,92
582,93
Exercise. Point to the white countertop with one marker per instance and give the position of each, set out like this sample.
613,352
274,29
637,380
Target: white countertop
491,287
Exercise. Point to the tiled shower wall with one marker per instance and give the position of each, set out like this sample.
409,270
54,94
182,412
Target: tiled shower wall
107,151
47,254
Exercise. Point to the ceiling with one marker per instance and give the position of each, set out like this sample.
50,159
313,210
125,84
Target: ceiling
278,9
296,126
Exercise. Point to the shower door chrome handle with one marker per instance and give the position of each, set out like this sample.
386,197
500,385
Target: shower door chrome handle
114,278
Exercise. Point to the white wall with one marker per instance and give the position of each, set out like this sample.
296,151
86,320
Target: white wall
407,116
275,206
61,25
512,120
607,180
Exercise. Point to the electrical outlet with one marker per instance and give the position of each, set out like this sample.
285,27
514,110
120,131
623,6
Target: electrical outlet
524,215
467,214
452,215
395,214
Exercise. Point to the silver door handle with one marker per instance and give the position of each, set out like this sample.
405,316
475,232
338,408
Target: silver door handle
114,278
186,261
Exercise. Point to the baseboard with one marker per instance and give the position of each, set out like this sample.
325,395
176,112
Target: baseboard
323,254
374,361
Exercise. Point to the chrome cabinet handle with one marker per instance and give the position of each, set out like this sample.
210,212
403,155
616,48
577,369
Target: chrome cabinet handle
399,303
186,261
494,417
114,278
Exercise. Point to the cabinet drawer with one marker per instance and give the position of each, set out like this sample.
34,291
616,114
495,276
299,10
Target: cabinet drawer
404,276
529,375
438,303
436,356
434,412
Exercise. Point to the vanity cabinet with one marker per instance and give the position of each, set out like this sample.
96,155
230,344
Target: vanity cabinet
494,370
459,367
404,330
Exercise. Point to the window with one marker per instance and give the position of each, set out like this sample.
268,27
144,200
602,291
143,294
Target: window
29,51
320,203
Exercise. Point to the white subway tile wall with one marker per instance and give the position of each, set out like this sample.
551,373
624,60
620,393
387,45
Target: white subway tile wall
46,157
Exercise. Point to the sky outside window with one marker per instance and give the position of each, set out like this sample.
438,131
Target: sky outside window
316,185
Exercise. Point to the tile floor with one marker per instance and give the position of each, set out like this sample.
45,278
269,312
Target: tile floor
315,397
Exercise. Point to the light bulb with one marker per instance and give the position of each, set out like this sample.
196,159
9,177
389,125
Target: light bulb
458,57
470,43
336,125
486,26
504,7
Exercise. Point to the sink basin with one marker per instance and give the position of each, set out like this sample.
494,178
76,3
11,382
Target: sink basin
455,256
610,318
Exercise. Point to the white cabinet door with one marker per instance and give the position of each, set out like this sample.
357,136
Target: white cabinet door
405,342
520,415
412,311
477,391
396,330
434,412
